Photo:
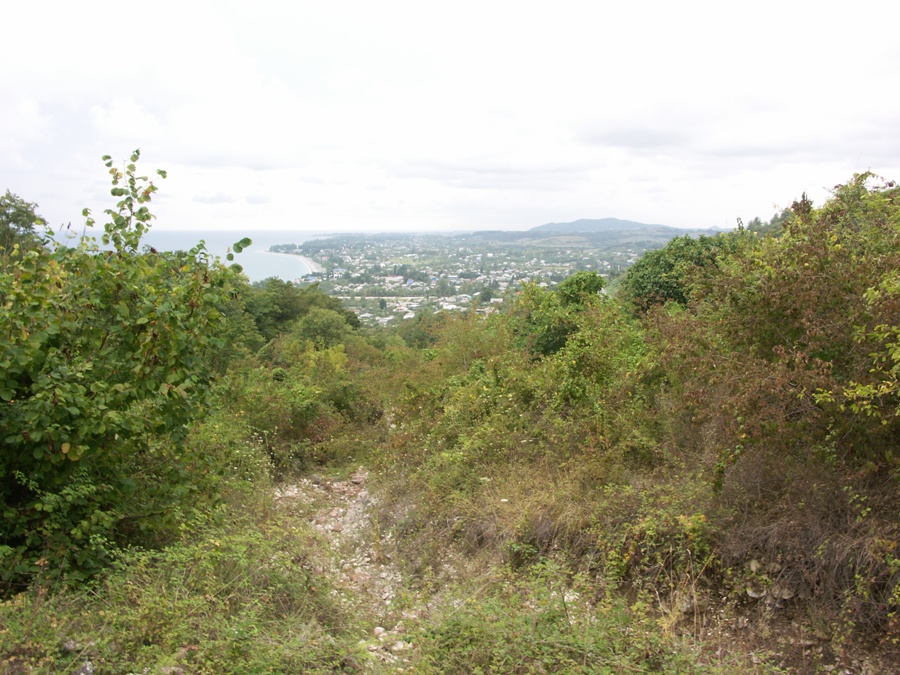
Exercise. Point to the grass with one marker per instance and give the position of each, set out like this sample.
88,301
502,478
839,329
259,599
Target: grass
239,596
549,620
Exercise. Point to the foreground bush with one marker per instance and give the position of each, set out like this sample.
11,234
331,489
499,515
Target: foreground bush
106,359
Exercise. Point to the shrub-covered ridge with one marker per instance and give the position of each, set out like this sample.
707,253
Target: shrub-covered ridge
649,477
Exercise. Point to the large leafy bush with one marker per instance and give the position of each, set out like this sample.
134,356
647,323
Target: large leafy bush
104,362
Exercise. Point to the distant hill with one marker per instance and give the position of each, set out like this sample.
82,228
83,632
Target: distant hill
604,234
589,226
612,240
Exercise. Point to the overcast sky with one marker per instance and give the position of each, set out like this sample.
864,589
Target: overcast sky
381,115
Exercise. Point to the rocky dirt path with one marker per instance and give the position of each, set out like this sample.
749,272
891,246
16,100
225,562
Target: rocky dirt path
360,564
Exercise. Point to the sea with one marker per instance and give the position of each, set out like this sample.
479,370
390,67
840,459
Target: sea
256,260
258,263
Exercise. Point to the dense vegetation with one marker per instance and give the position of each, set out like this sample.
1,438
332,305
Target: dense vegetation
590,481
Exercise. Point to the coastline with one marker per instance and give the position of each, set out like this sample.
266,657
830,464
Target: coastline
314,267
311,265
257,261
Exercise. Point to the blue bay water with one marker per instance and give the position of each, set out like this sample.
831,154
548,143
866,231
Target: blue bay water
256,260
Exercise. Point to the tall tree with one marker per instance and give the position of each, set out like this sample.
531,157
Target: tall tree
18,219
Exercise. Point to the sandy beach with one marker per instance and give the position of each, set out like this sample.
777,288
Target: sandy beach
314,267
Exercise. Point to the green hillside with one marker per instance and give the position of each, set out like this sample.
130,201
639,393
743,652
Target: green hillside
696,472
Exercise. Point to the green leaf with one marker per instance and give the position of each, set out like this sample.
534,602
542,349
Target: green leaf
128,487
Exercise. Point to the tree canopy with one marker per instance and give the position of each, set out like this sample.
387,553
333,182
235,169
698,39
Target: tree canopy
18,219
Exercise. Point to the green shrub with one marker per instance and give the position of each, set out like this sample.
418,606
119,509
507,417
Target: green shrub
546,319
103,354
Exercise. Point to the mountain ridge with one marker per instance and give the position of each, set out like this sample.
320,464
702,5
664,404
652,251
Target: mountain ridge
593,225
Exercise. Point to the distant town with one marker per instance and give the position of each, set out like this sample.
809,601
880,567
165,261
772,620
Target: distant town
392,277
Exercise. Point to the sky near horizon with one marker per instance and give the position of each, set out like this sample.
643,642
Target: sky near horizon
421,116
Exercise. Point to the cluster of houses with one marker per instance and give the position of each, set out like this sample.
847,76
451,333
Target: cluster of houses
390,280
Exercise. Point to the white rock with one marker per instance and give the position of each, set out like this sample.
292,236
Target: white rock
782,592
756,591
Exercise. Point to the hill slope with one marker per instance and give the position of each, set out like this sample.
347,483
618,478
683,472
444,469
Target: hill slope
591,226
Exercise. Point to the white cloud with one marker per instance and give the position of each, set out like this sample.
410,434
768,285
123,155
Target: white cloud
125,119
24,122
413,115
217,198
